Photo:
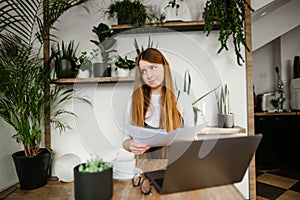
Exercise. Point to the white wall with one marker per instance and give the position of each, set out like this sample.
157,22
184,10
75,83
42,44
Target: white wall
274,24
98,130
8,146
281,53
263,69
290,47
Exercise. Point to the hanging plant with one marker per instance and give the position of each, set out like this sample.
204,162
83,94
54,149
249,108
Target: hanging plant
229,16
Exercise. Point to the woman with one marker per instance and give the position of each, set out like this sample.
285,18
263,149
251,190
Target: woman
154,103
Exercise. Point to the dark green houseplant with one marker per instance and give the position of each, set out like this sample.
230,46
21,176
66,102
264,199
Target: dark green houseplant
23,97
67,63
105,44
229,16
123,66
125,63
129,12
84,62
89,176
65,59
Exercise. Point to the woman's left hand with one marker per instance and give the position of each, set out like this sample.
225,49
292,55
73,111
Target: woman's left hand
138,148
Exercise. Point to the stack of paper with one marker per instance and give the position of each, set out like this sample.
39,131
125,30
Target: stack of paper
159,137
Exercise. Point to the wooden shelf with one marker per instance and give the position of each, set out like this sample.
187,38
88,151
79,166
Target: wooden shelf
276,113
216,130
93,80
167,27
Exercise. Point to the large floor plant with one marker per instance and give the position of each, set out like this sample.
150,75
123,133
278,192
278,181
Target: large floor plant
24,27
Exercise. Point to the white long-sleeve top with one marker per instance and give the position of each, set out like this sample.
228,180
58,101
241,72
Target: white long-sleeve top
184,105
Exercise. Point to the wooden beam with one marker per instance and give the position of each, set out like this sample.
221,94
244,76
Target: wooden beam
250,101
47,129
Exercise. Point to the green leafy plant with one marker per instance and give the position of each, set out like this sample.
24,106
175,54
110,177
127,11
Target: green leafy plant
68,51
94,165
65,52
129,12
24,78
187,83
223,101
229,16
105,43
22,96
84,61
125,63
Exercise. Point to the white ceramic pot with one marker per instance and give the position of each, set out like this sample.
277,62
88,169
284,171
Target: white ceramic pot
123,72
83,74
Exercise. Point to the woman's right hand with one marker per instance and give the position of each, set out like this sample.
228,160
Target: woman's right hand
137,148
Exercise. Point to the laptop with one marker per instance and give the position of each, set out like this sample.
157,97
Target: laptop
205,163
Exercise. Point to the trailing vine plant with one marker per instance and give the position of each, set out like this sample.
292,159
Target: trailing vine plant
229,16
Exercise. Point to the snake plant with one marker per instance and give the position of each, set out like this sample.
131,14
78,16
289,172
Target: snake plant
187,83
223,101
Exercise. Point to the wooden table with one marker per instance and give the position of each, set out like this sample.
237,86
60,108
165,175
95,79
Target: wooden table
125,190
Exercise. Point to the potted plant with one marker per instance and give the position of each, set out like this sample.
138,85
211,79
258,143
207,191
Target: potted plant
22,103
187,83
141,48
85,66
24,77
225,116
229,16
129,12
124,65
105,43
93,180
66,61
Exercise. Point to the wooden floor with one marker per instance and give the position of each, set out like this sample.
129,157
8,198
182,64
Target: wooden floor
279,184
54,190
271,184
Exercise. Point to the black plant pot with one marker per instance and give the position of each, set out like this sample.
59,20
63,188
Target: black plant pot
107,72
94,186
296,67
124,20
33,171
65,69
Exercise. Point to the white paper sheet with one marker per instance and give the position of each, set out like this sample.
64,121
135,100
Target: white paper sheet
159,137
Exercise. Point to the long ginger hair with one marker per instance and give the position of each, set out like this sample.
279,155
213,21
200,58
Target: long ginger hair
170,118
